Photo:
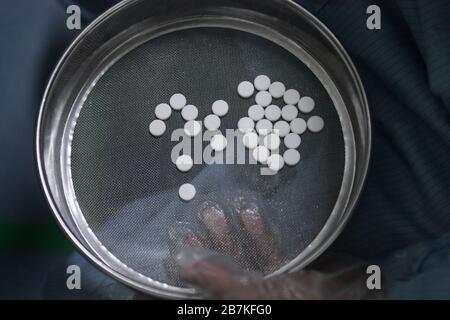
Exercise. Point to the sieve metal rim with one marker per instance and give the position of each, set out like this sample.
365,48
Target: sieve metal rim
163,290
86,233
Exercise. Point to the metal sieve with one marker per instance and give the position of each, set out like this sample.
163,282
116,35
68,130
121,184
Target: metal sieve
113,188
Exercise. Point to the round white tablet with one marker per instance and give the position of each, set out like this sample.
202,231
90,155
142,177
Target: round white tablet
273,113
218,142
157,128
250,140
212,122
315,124
220,108
306,104
246,89
177,101
272,141
163,111
282,128
264,127
192,128
246,124
291,96
298,126
275,162
263,98
262,83
189,112
256,112
261,154
291,157
289,112
187,192
292,141
277,89
184,163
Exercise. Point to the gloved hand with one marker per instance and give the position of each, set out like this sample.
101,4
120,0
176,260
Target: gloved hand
218,268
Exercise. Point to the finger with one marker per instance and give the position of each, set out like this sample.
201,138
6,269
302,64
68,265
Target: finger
268,256
219,230
181,236
345,282
349,283
215,276
345,276
193,241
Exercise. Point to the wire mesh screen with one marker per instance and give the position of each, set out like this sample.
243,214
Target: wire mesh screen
127,186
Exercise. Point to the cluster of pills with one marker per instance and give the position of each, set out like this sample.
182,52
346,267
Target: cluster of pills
267,124
192,128
264,130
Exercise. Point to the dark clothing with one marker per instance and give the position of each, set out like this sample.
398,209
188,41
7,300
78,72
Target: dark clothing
405,68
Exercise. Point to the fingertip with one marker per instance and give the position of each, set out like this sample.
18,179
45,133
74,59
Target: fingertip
189,257
214,275
180,233
252,221
196,261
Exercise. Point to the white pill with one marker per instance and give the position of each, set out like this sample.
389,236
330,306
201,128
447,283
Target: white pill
189,112
291,96
192,128
246,89
212,122
264,127
177,101
184,163
298,126
273,113
275,162
277,89
263,98
250,140
282,128
256,112
163,111
315,124
261,154
262,83
187,192
292,141
218,142
289,112
157,128
246,124
306,104
291,157
272,141
220,108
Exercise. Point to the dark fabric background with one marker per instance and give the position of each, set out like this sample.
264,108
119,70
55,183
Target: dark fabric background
405,68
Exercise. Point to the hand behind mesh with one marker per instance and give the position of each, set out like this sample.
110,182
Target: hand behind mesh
216,265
